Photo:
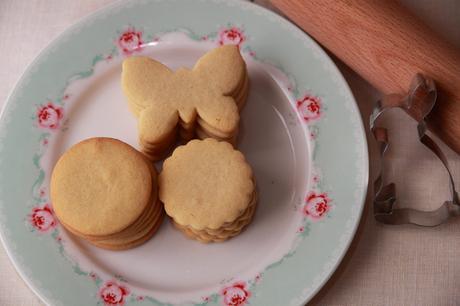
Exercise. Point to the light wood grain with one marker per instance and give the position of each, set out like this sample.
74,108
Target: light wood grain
387,46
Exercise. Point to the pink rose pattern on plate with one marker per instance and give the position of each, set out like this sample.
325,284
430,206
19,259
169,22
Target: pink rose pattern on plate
49,116
42,218
231,36
113,294
309,107
236,294
130,41
316,204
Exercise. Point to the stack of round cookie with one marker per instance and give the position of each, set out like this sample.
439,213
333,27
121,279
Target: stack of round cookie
208,190
201,102
106,192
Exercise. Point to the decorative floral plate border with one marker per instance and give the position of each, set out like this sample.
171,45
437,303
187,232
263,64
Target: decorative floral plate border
49,116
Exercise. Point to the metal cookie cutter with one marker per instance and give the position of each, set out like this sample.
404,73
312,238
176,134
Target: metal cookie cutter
418,103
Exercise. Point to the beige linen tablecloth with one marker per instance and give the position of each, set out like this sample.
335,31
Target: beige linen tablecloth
386,265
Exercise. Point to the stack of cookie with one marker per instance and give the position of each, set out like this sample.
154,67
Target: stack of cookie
106,192
206,129
202,102
208,190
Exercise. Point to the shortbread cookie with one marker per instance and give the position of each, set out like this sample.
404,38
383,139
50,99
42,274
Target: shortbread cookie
132,244
206,185
203,135
154,220
225,232
214,91
106,192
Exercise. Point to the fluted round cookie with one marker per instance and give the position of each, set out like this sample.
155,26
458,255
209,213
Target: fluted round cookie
101,186
206,184
225,232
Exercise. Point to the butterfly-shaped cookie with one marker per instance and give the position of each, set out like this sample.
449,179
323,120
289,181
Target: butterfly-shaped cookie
204,100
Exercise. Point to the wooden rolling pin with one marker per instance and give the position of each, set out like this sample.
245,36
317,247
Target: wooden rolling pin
387,46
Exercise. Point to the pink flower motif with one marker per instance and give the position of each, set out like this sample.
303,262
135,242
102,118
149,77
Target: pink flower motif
309,107
113,294
130,41
93,275
42,218
301,229
231,36
317,205
49,116
236,295
140,298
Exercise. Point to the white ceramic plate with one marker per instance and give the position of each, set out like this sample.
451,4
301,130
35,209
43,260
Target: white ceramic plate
300,131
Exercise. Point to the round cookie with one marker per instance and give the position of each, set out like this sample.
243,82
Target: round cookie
140,223
101,186
206,184
222,234
153,223
226,232
132,244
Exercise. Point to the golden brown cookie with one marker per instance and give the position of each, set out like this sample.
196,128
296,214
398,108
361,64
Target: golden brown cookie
154,221
225,232
201,134
132,244
206,185
162,100
106,192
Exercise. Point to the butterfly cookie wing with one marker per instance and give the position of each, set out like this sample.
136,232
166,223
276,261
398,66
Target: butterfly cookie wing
143,80
219,112
223,68
157,126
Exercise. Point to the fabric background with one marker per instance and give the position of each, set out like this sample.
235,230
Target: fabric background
386,265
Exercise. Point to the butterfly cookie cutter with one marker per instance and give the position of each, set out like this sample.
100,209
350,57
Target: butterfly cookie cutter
418,103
